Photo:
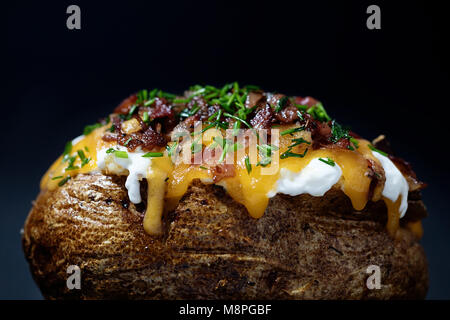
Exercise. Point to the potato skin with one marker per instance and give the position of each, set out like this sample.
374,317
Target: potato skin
302,248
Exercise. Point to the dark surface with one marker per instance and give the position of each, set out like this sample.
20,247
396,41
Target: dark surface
391,81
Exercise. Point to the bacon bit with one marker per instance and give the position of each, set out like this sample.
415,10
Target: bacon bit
273,99
151,139
148,140
205,112
262,118
320,133
354,135
197,100
222,171
406,169
307,101
254,98
160,109
383,144
125,106
287,115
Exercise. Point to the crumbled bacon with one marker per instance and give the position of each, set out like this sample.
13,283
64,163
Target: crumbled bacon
383,144
125,106
306,101
254,98
287,115
147,138
320,133
221,171
160,109
263,118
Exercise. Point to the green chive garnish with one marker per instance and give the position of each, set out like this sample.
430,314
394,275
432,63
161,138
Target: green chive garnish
292,130
128,141
145,117
328,161
63,181
153,155
248,164
371,147
121,154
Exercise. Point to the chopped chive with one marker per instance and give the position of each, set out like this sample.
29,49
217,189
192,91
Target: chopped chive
203,130
70,168
213,116
194,110
63,181
132,110
153,155
86,149
112,128
224,152
121,154
281,103
110,150
211,95
89,128
204,168
81,155
196,147
56,178
145,117
288,154
67,148
371,147
153,93
168,95
354,141
149,102
180,101
328,161
85,162
292,130
171,149
128,141
248,164
301,107
226,114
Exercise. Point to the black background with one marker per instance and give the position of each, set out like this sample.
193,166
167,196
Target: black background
392,81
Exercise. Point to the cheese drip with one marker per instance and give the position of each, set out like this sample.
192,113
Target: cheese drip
168,182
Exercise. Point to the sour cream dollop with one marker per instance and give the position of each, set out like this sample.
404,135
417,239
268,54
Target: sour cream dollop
315,179
395,184
135,166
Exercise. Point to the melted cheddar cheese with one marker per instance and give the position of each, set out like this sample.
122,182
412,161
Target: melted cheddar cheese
169,181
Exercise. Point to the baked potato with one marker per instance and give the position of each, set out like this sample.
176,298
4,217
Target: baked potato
204,243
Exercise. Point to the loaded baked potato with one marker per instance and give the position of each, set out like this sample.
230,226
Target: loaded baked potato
143,217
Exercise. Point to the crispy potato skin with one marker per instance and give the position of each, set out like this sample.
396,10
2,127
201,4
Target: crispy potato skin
302,248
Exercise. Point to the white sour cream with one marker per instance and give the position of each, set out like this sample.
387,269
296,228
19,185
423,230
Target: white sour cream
315,179
395,184
77,139
135,166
